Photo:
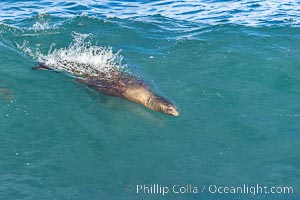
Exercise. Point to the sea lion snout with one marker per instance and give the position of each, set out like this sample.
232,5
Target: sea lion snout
165,106
175,113
171,110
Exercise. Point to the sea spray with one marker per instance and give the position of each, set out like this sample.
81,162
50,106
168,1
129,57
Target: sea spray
80,58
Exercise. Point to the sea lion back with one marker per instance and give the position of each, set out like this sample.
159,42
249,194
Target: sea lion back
104,86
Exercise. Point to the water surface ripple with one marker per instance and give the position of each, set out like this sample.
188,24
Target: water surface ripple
250,12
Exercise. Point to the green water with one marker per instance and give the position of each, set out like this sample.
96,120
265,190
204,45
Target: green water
236,87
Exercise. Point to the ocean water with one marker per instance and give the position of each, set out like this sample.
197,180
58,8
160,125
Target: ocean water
231,67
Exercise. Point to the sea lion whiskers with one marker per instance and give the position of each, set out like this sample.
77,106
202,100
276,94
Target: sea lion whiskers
161,104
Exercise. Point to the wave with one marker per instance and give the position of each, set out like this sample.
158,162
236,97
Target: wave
250,12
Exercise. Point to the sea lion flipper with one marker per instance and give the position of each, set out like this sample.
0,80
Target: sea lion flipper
82,80
41,66
94,83
102,85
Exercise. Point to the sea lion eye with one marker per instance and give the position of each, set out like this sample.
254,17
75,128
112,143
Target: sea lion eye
169,109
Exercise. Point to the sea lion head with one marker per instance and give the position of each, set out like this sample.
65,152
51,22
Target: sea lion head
165,106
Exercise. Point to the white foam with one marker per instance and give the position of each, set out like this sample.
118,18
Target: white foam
41,26
80,58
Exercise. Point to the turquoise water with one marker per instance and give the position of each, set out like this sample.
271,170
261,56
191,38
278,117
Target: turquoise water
232,69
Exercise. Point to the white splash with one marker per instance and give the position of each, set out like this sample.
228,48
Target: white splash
80,58
41,26
42,23
24,47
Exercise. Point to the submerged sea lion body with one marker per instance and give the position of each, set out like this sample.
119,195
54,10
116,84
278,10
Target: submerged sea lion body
131,88
5,93
126,86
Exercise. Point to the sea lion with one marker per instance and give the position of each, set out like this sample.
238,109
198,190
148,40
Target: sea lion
128,86
5,93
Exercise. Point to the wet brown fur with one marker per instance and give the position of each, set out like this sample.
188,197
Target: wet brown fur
126,86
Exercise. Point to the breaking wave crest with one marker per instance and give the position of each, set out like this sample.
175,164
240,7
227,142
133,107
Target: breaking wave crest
80,58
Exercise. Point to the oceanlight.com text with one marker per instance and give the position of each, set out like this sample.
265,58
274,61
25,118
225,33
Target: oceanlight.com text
178,189
253,190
